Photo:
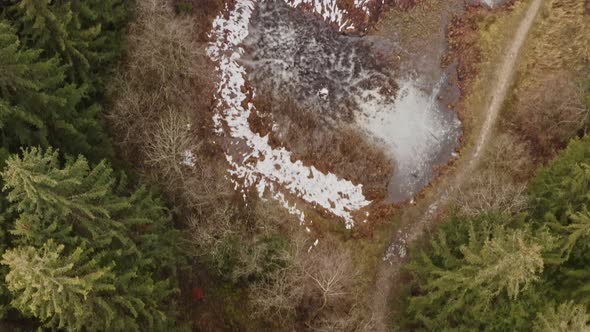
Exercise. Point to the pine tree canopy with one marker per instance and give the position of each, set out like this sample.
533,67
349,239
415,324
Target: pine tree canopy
567,317
70,30
79,206
473,270
64,291
38,106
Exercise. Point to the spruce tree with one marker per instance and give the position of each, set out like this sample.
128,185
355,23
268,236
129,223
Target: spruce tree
567,317
65,291
509,261
38,107
82,206
86,35
111,15
560,192
27,90
561,187
51,199
55,28
473,270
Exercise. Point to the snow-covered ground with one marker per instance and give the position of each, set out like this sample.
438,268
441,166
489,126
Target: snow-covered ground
253,162
326,68
350,79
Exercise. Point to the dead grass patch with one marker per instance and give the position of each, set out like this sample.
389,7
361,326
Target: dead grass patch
338,149
547,105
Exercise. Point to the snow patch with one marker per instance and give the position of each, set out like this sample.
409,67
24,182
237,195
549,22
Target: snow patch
188,158
398,249
252,160
328,10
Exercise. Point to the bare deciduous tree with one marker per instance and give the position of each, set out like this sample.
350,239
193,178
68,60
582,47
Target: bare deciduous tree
491,191
319,285
170,146
508,155
331,272
551,111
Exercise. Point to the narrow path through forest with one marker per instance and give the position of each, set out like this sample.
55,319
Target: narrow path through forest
388,271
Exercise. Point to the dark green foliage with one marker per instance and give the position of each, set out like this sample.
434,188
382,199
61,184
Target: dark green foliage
554,237
562,186
56,58
39,107
81,251
129,238
474,273
85,35
560,192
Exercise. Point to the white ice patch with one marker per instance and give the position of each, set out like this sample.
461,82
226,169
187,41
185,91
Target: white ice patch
492,3
414,129
364,5
188,158
328,10
254,161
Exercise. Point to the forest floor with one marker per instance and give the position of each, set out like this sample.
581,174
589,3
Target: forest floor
417,218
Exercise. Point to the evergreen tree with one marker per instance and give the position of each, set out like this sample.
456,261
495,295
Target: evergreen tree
55,28
560,192
86,35
62,291
112,16
82,206
509,261
568,317
577,230
51,199
473,268
561,187
27,87
37,106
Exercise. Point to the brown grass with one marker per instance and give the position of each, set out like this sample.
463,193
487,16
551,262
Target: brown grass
546,107
341,149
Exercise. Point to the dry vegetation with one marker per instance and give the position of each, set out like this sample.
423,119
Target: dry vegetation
549,104
500,183
341,150
547,108
318,287
549,112
248,255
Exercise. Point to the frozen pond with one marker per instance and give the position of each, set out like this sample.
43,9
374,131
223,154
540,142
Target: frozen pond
417,131
352,79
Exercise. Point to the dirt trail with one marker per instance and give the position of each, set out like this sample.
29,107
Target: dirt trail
388,271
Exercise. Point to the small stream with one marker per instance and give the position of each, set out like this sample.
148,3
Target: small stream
355,80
